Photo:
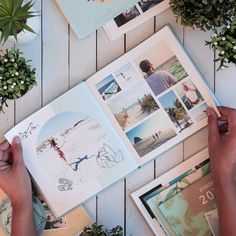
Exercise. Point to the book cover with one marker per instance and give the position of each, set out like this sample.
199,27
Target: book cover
85,16
134,16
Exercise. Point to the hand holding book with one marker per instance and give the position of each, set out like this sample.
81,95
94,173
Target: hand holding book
222,150
15,182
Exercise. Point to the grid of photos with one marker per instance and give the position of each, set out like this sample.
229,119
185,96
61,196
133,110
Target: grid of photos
156,100
135,11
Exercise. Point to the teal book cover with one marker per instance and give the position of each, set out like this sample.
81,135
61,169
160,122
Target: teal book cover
185,212
86,16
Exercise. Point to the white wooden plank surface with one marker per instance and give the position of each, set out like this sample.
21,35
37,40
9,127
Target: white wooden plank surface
62,61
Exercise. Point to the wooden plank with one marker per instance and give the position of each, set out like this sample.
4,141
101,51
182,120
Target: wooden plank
82,54
135,222
139,34
31,101
55,52
195,143
167,18
110,203
225,86
108,51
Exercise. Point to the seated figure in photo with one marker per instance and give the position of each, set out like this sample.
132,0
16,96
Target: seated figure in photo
192,94
158,81
147,4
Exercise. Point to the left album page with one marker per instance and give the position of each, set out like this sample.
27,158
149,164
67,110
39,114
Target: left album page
71,150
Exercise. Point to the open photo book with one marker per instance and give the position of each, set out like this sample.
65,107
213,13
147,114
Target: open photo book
123,116
181,201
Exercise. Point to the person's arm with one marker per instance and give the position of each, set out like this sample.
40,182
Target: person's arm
15,182
222,151
172,80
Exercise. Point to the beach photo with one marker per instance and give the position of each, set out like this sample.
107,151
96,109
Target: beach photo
146,5
127,16
151,134
177,113
133,105
189,94
199,113
108,87
127,75
160,68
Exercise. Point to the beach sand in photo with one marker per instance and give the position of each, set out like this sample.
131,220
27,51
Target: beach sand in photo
151,143
133,105
151,134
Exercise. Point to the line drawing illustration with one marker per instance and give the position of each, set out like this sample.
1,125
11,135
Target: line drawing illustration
29,131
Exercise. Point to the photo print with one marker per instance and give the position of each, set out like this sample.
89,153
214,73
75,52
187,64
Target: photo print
127,16
199,113
189,94
71,143
160,68
108,87
177,113
146,5
127,75
131,107
151,134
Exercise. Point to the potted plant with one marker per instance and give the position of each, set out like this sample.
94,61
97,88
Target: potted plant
16,76
18,21
98,230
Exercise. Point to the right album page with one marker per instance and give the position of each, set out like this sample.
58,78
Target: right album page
153,95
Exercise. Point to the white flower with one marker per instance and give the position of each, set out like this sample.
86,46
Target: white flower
14,84
223,38
22,82
234,47
1,77
5,87
215,35
228,26
16,73
223,67
5,60
215,43
222,52
12,59
12,75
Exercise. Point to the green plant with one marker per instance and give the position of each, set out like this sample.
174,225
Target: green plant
203,14
224,42
98,230
13,17
16,76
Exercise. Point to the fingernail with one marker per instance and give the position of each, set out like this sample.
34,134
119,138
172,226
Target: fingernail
17,139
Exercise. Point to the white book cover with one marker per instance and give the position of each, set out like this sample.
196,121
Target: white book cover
134,16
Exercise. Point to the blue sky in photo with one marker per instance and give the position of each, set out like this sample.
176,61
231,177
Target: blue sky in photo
59,122
168,99
107,80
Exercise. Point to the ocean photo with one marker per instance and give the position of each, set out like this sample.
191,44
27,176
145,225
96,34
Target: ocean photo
133,105
177,113
108,87
151,134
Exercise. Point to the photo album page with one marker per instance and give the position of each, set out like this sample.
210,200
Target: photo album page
71,150
153,95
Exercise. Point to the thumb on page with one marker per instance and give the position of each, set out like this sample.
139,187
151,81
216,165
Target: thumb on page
17,152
